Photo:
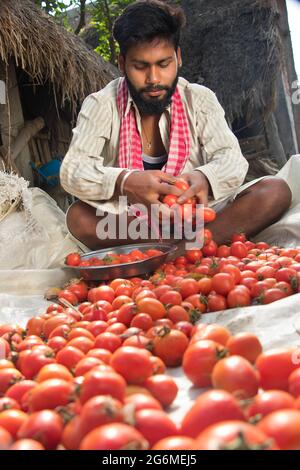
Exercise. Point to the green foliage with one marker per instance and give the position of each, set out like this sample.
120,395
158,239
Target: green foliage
104,14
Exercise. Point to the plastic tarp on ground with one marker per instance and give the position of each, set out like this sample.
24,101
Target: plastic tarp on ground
277,324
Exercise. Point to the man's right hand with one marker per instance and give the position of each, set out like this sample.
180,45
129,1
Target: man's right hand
148,187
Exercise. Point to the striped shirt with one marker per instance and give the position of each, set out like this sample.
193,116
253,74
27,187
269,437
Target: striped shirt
90,168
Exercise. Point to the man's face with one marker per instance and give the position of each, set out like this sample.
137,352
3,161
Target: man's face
151,71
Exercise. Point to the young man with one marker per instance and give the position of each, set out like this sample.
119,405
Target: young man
162,127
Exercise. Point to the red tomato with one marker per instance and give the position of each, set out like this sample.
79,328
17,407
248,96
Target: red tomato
132,363
175,443
108,341
170,345
68,295
222,283
237,376
294,383
216,302
7,403
44,426
153,307
223,251
275,366
233,435
115,436
193,255
69,356
12,420
154,425
163,388
284,427
239,250
50,394
141,401
210,249
98,411
97,382
101,293
27,444
73,259
80,289
5,439
238,297
200,359
54,371
246,345
8,377
266,402
170,200
238,237
211,407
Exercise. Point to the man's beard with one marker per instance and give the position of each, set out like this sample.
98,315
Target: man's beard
152,105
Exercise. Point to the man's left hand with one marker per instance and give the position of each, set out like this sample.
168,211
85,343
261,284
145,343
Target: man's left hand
199,187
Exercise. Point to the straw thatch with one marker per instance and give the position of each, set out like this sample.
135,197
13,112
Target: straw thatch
233,48
50,54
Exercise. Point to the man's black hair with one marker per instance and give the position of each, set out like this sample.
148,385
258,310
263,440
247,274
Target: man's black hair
146,20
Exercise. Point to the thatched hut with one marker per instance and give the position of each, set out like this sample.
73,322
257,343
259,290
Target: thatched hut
242,51
45,73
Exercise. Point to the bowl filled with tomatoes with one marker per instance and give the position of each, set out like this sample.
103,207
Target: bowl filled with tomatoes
121,261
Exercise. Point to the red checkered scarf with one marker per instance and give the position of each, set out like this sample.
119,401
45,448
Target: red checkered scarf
130,147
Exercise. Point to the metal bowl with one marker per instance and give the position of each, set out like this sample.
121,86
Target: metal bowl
124,270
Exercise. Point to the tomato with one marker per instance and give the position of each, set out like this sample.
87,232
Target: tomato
114,436
153,307
72,434
139,341
238,297
82,342
142,321
237,376
266,402
175,443
205,285
271,295
69,356
108,341
5,439
275,366
97,382
4,348
233,435
120,300
193,255
126,313
158,365
50,394
141,401
163,388
187,287
132,363
57,343
12,420
246,345
177,313
101,293
209,408
26,444
9,377
5,364
98,411
180,183
222,283
238,237
223,251
35,325
170,200
154,425
45,427
210,249
208,214
170,345
102,354
171,298
214,332
294,383
200,359
239,250
80,289
55,321
216,302
54,371
85,365
73,259
7,403
19,389
284,427
69,296
198,301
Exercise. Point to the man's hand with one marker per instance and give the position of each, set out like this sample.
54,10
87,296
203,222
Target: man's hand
199,187
148,187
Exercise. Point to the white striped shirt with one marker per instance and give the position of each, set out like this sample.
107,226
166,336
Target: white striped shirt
90,168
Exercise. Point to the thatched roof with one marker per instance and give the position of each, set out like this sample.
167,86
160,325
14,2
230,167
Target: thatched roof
49,53
233,48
